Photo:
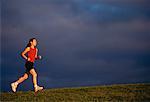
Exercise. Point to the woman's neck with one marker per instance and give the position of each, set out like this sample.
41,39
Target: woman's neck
32,46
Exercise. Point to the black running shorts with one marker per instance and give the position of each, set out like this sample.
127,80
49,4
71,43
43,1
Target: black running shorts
29,66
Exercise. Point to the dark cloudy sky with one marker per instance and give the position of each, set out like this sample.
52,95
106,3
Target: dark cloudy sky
83,42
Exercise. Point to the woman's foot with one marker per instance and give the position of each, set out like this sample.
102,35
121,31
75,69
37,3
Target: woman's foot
38,88
13,87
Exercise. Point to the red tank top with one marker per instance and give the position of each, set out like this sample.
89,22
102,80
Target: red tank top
31,54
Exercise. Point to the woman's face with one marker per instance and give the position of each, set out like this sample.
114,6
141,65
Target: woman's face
34,42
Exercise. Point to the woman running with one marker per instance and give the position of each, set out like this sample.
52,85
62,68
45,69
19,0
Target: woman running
32,55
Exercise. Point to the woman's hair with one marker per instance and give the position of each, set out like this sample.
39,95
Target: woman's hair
29,43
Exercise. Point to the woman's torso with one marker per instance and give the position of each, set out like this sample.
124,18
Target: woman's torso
31,54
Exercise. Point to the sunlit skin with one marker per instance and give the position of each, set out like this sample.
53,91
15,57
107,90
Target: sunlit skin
32,71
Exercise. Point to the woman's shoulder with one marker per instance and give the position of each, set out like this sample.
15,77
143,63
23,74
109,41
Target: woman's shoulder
27,48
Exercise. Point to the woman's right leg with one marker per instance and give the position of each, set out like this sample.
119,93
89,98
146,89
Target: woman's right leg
21,79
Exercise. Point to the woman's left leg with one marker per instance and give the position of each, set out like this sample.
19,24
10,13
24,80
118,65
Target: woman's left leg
34,77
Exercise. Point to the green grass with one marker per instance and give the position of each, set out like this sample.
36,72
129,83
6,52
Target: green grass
110,93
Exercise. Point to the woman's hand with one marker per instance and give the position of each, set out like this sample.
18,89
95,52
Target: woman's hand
28,59
39,57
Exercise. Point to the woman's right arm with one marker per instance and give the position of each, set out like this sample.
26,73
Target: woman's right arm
24,52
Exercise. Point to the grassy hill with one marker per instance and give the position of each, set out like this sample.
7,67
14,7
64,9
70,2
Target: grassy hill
108,93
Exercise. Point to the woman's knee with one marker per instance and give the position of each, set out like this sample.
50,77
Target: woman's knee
25,76
34,74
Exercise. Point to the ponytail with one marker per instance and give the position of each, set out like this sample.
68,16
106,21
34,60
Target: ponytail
28,45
